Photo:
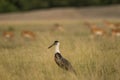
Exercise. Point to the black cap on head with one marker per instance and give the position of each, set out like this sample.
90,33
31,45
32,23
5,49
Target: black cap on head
56,41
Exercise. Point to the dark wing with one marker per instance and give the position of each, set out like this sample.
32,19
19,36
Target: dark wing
67,65
63,63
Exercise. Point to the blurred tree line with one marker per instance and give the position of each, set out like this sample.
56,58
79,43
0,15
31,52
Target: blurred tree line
24,5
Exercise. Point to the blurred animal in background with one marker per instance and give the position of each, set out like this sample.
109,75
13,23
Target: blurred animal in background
112,25
8,35
58,28
95,30
114,28
115,32
28,35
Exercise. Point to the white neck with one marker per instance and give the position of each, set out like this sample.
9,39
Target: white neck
57,48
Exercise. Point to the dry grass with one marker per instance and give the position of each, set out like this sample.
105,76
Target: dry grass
97,59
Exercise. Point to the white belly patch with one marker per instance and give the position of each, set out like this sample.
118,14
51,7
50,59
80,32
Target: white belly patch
98,33
118,34
7,36
28,36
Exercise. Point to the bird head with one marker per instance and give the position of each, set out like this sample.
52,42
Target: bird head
55,43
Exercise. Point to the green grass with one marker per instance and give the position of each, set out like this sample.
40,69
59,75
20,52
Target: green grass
97,59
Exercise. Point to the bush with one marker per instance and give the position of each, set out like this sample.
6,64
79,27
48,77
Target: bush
5,6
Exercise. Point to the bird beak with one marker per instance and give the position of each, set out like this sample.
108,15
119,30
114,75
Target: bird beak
51,45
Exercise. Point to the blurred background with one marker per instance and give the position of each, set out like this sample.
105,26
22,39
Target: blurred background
59,9
88,30
27,5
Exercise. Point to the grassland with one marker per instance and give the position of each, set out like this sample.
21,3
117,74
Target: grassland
97,59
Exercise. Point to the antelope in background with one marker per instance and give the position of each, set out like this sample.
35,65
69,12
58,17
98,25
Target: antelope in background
28,35
115,32
58,27
111,25
114,28
95,30
8,35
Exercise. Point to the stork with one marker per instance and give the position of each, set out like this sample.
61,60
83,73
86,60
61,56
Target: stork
60,60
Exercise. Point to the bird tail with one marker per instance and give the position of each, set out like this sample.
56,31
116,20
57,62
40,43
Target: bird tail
74,72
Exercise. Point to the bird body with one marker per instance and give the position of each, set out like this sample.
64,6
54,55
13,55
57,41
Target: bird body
60,60
63,63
